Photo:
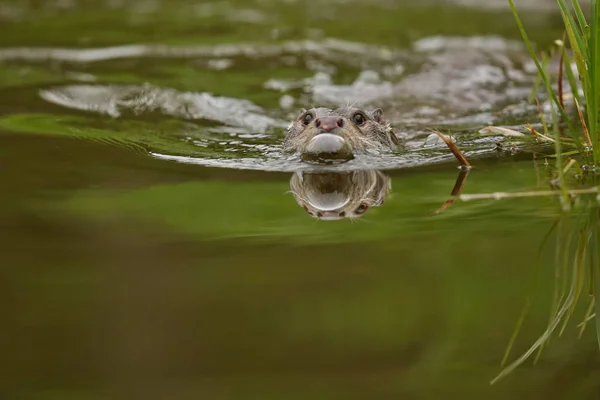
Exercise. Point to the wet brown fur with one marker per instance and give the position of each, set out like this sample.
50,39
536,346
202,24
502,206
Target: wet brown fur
374,135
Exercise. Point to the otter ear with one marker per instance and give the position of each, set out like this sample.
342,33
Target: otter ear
377,114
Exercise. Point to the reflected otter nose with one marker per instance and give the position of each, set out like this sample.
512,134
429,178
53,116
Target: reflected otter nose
327,124
330,215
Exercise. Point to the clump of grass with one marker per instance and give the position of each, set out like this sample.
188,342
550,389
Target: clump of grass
581,45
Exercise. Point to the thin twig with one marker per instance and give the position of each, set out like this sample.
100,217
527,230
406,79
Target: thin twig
506,195
458,185
537,134
570,162
454,149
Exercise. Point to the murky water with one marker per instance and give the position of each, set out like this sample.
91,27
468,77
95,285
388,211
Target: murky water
157,242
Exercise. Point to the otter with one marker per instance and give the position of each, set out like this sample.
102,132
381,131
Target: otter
338,195
336,135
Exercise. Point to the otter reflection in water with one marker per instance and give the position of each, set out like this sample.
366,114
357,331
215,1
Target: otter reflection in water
337,195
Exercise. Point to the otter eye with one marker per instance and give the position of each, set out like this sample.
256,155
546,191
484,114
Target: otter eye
307,118
358,119
361,209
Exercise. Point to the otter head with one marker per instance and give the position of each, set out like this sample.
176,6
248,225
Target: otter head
326,135
338,195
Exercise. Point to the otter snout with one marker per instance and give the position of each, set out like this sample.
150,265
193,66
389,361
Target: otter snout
327,147
329,124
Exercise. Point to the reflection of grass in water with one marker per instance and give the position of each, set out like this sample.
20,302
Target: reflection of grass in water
576,268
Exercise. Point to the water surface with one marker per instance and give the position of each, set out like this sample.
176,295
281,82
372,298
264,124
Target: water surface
152,245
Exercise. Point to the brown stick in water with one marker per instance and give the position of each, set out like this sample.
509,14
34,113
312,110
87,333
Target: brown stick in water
458,185
454,149
462,176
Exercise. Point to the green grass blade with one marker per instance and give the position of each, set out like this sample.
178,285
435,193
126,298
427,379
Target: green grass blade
535,59
516,330
578,279
567,60
589,315
593,102
578,43
561,268
571,76
580,16
534,89
579,46
541,340
580,142
575,35
595,265
582,23
529,299
557,106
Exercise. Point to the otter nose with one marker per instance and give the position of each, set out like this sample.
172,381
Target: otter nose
327,124
330,215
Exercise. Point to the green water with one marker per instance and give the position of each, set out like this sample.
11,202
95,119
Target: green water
150,245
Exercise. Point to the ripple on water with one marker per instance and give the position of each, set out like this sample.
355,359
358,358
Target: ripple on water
114,100
328,49
441,81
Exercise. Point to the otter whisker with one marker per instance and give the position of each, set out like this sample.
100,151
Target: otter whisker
356,102
298,196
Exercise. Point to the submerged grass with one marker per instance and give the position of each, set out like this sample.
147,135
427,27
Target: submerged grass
573,131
